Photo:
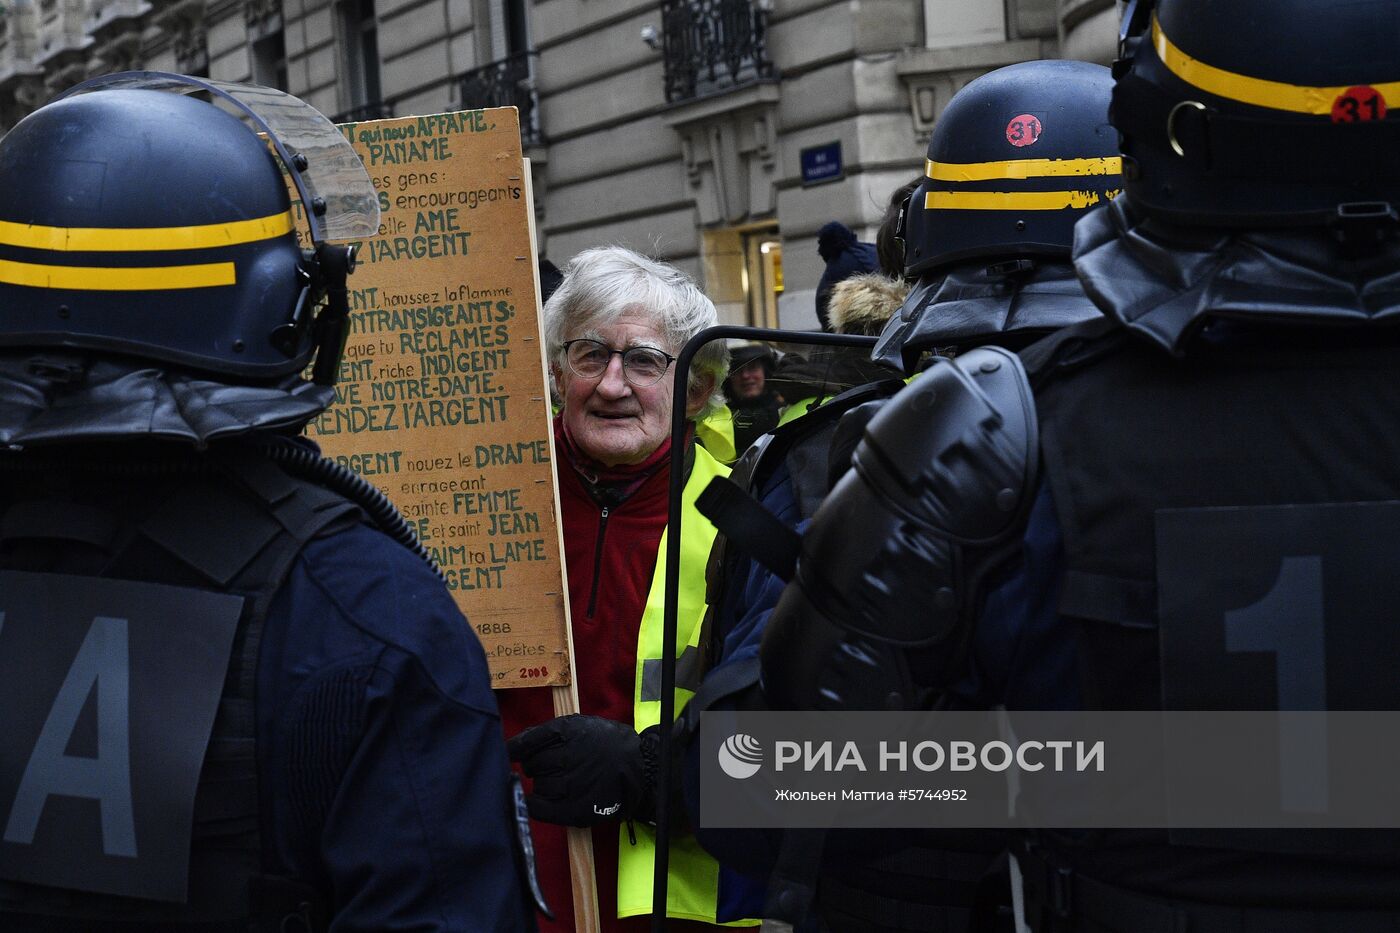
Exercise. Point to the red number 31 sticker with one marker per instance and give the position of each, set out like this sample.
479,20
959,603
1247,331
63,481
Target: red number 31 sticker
1023,130
1358,104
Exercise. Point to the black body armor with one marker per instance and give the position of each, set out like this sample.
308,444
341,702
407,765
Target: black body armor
1239,381
145,515
930,507
920,882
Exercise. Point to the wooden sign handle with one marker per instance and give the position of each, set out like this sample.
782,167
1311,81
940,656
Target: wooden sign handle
583,875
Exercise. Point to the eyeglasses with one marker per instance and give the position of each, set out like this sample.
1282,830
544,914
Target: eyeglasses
641,366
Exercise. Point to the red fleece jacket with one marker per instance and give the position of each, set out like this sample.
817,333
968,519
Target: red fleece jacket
611,561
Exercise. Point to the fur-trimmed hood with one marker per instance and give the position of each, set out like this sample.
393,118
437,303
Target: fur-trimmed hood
863,303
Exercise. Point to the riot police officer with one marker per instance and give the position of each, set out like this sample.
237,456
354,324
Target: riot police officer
1019,155
1017,158
1233,409
235,694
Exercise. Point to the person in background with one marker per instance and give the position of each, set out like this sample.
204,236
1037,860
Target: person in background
859,304
613,329
844,256
550,277
263,643
752,403
863,303
889,239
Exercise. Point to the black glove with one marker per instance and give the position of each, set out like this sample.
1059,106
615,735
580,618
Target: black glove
588,770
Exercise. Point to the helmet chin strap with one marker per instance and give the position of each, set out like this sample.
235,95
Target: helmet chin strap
334,265
1363,225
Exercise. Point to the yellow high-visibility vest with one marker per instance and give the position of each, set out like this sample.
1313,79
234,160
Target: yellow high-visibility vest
800,407
715,433
693,884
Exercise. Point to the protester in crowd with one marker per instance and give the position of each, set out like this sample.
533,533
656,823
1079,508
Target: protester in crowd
858,304
750,408
889,239
265,647
947,881
550,277
844,256
790,475
863,303
752,403
1165,496
613,329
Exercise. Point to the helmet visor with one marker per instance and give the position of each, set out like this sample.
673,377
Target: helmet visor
333,175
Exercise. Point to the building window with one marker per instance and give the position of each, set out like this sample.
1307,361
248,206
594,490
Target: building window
514,25
509,79
270,61
743,271
359,32
191,45
713,45
763,264
506,83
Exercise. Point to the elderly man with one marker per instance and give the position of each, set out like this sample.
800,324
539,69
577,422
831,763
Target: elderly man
614,328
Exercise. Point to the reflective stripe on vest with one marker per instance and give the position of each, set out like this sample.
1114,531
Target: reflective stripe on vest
694,876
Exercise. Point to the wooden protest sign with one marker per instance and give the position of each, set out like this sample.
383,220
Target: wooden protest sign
442,401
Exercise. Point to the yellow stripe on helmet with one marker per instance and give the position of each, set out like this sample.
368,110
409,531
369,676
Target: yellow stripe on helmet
1023,168
110,279
141,239
1011,200
1256,91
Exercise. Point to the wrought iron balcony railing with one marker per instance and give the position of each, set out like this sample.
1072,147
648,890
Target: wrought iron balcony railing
713,45
509,82
374,110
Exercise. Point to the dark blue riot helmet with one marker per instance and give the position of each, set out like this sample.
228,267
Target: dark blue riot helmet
1017,157
138,221
1261,113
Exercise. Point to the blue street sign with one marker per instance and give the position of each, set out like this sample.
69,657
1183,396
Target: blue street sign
821,164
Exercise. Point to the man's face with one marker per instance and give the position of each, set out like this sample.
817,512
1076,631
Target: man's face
747,381
611,420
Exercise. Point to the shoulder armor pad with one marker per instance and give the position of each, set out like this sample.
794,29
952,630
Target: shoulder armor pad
956,451
892,567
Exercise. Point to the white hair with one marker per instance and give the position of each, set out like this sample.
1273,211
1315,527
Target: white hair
603,283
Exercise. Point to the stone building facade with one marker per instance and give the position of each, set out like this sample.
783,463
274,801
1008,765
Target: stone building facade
717,134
